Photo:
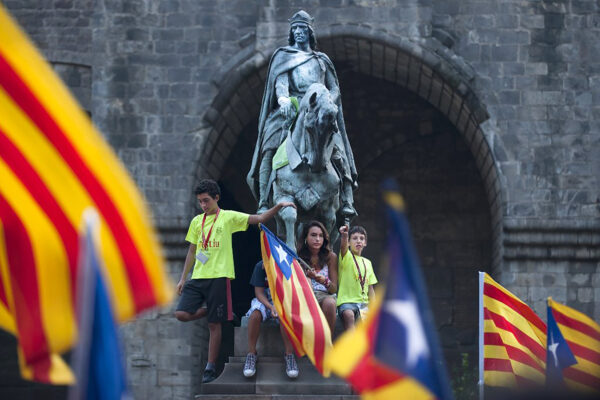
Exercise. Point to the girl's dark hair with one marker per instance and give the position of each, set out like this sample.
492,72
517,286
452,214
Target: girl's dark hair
302,248
312,41
208,186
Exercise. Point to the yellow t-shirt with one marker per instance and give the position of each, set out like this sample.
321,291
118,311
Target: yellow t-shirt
349,290
219,249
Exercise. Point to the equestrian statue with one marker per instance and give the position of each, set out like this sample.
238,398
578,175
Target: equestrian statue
302,153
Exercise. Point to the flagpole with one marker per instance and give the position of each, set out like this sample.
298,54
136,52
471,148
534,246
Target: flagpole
480,383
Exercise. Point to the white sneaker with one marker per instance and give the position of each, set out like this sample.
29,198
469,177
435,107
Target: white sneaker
250,365
291,368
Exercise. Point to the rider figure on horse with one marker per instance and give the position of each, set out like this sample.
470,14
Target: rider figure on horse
291,71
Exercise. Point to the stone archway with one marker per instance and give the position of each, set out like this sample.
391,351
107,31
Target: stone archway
437,89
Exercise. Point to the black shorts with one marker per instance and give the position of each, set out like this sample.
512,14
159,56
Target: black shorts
217,294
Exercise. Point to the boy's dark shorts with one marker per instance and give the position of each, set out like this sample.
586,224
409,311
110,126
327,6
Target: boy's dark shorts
217,294
354,307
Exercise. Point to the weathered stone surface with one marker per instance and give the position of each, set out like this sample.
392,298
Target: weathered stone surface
518,195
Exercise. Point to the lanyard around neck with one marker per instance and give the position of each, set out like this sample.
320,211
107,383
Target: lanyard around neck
361,278
205,240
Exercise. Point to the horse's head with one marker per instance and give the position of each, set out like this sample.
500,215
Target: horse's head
320,122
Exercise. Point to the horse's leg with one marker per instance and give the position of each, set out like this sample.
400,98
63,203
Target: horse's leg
289,216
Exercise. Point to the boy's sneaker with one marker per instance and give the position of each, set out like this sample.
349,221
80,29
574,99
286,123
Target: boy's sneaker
209,375
291,368
250,365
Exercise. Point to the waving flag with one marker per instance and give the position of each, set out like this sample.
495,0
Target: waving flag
54,165
294,300
558,353
395,352
582,335
514,339
98,358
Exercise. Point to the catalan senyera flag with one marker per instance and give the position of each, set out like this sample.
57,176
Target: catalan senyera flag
53,166
294,300
514,340
582,335
395,353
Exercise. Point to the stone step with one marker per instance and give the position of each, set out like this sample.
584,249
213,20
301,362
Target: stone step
271,379
269,359
269,341
278,396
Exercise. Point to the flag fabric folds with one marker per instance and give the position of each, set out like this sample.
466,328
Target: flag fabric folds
558,353
514,340
395,352
294,300
98,362
582,335
53,166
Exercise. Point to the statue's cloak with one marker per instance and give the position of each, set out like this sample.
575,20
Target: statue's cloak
282,62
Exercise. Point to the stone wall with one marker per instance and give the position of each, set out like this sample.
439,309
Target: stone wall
506,94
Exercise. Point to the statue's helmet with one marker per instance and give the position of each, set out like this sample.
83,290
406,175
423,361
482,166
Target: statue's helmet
302,17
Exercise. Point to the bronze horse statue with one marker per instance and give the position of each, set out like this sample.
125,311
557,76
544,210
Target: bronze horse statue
309,179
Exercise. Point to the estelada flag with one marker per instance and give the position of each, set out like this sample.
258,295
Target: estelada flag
514,340
395,353
582,335
53,166
294,300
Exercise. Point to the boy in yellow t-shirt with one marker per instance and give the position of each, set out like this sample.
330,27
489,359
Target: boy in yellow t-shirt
211,254
356,276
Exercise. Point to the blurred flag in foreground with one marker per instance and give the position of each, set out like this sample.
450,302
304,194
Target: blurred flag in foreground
514,339
98,363
54,165
558,354
294,300
395,352
582,335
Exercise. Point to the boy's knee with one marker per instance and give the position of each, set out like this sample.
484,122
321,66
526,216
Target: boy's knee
182,316
214,326
348,314
255,316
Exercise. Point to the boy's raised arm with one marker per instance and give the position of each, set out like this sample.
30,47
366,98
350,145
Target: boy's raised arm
343,240
270,213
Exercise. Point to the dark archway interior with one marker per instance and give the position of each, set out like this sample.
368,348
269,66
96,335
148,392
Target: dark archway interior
394,132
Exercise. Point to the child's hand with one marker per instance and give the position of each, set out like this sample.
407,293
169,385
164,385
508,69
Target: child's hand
180,286
286,204
273,312
344,230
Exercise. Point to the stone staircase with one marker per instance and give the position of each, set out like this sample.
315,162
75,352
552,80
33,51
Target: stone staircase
270,380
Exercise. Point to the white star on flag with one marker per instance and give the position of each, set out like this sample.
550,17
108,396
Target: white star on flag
405,311
552,347
281,254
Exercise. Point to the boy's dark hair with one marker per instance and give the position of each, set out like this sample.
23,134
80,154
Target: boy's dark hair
208,186
357,229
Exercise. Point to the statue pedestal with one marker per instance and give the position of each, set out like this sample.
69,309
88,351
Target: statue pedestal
270,379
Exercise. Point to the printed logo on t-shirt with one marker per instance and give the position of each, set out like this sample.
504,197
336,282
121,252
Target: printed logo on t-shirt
212,243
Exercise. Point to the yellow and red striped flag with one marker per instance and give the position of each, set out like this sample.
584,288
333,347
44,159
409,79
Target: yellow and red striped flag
53,166
514,339
583,337
295,302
